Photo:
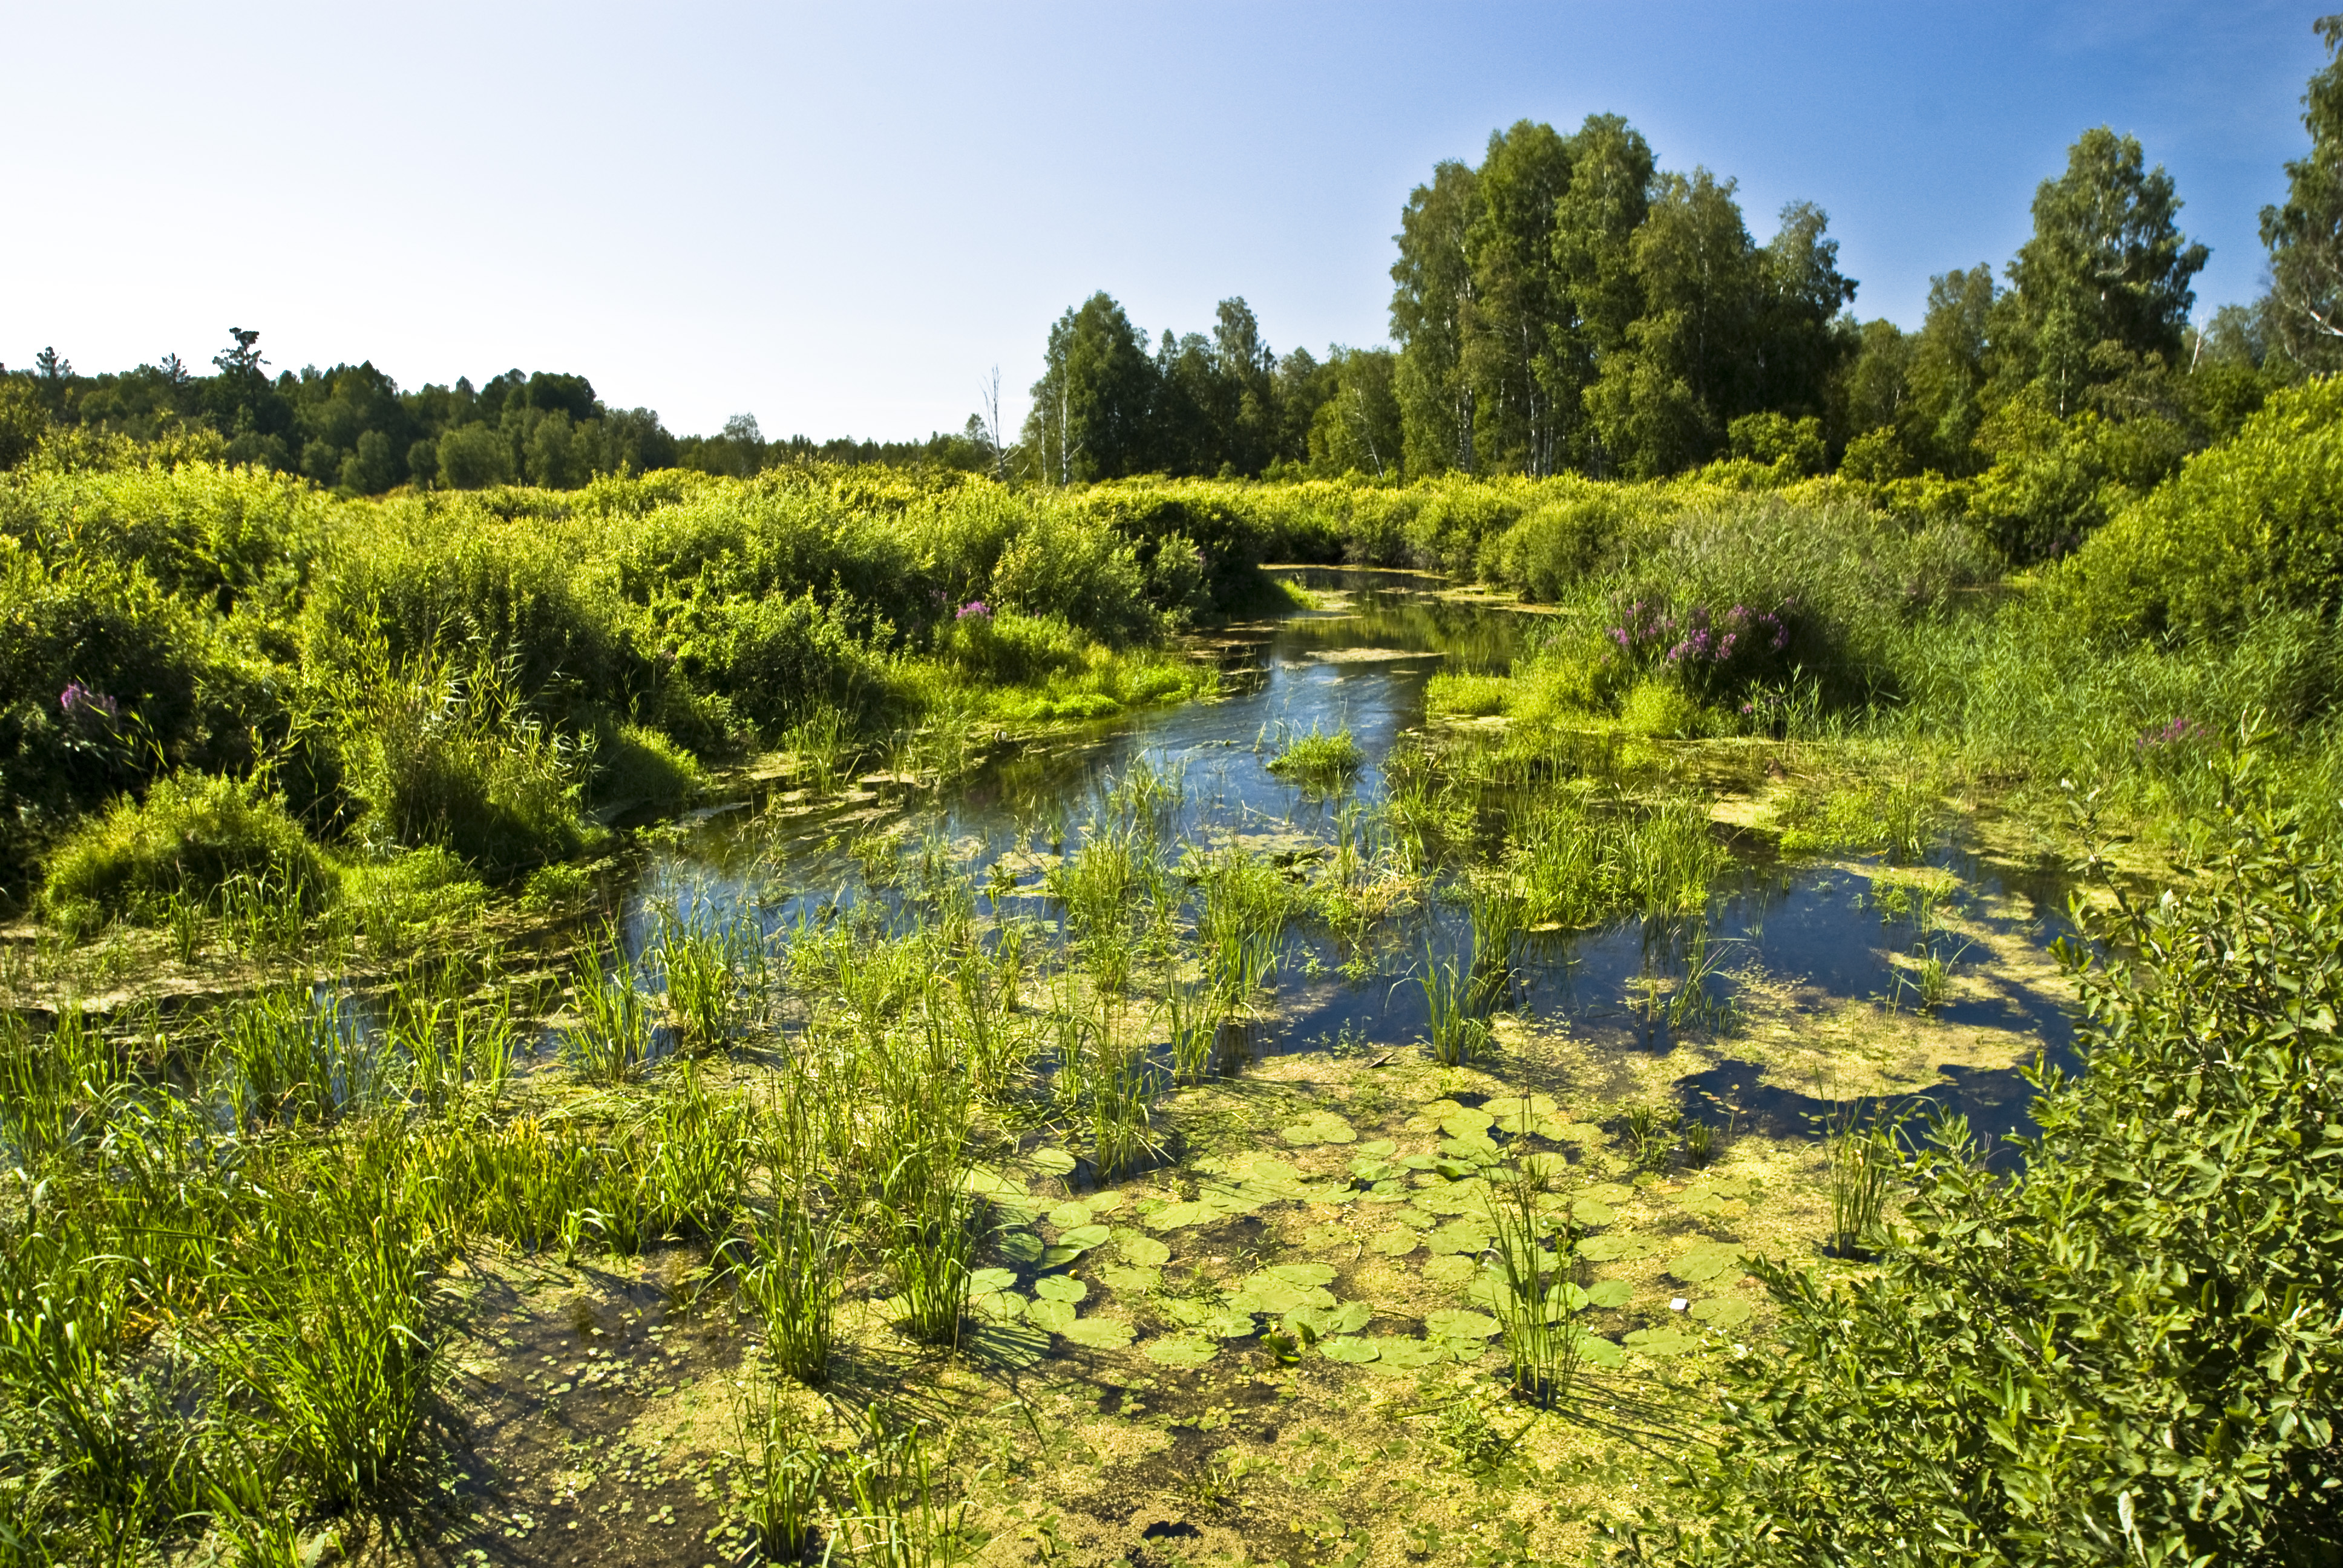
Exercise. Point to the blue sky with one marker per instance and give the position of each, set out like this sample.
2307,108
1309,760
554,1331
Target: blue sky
839,218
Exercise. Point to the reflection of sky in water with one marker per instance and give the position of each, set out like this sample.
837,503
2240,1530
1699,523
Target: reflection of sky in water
1814,928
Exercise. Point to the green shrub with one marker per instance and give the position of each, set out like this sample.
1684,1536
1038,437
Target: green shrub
1556,546
191,833
439,754
641,770
2246,528
2131,1349
1661,707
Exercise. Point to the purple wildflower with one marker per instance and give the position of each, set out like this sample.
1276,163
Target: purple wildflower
78,701
977,608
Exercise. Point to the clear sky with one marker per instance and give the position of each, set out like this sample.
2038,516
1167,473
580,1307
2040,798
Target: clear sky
839,218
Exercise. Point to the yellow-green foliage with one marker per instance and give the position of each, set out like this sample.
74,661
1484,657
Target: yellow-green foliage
1467,695
2246,528
637,769
1661,707
191,833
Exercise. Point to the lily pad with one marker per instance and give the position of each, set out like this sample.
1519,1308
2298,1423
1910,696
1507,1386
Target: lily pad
1052,1315
1051,1161
984,1279
1393,1243
1347,1319
1459,1236
1349,1348
1061,1288
1591,1211
1616,1244
1610,1295
1596,1350
1267,1293
1121,1277
1611,1193
1142,1251
1723,1311
1180,1351
1467,1123
1408,1352
1176,1216
997,1306
1326,1235
1450,1271
1554,1130
1099,1334
1378,1149
1478,1149
1576,1133
1318,1126
1665,1341
1059,1257
1066,1216
1303,1274
1100,1202
1458,1324
1701,1202
1412,1215
1732,1186
1084,1236
1020,1246
1704,1263
1518,1114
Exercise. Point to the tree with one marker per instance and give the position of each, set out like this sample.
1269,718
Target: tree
1800,295
1434,295
1358,427
1091,406
1517,318
1950,364
2107,263
1689,365
1595,222
2304,234
55,374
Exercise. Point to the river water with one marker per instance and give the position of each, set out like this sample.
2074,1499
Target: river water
1362,665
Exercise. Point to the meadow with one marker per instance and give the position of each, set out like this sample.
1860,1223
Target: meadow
697,1020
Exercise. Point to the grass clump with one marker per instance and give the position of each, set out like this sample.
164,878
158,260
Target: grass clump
1317,759
192,833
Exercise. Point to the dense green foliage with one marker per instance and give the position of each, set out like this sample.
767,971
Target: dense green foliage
2129,1351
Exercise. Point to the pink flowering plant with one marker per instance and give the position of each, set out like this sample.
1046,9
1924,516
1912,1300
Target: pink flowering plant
1714,654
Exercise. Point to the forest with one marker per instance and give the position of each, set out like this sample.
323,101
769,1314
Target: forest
1656,925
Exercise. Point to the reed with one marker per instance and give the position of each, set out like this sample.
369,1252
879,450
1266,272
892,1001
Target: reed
1455,1030
1538,1297
611,1039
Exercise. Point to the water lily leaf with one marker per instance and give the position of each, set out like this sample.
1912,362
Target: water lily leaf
1610,1295
1180,1351
1471,1197
1459,1324
997,1306
1099,1334
1349,1348
1242,1200
1066,1216
1459,1236
1596,1350
1061,1288
1267,1293
1466,1122
1450,1271
1318,1126
1051,1161
1373,1169
1325,1235
1436,1112
984,1279
1175,1216
1011,1344
986,1181
1059,1257
1577,1132
1414,1162
1117,1277
1050,1315
1701,1202
1393,1243
1264,1170
1465,1349
1407,1353
1325,1323
1477,1149
1303,1274
1412,1215
1083,1236
1140,1250
1704,1263
1661,1341
1227,1323
1732,1186
1723,1311
1553,1131
1611,1193
1589,1212
1020,1246
1614,1245
1379,1148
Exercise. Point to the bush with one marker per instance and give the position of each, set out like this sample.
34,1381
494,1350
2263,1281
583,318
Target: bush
2132,1349
1088,576
641,769
191,833
2246,528
442,755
